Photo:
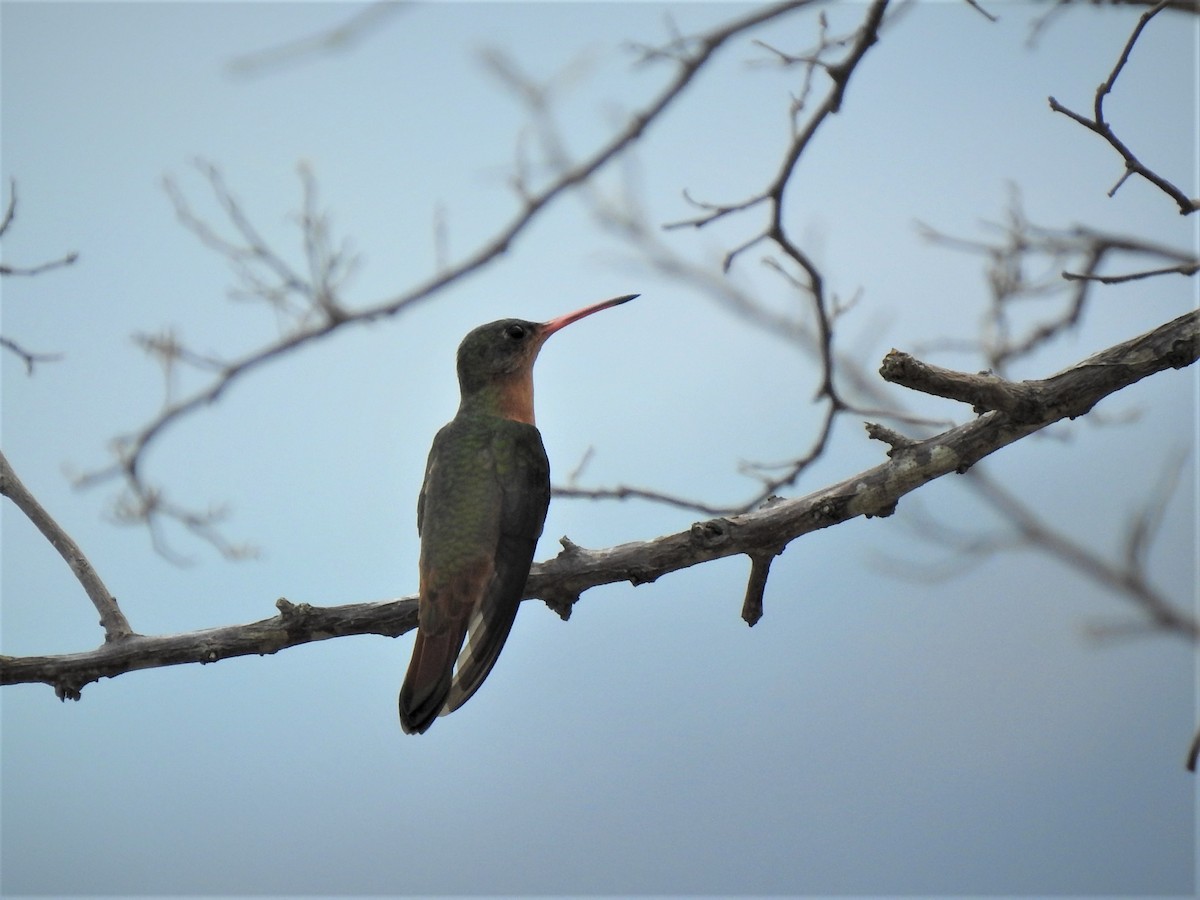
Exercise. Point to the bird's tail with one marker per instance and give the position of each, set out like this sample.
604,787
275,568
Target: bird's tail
427,683
485,639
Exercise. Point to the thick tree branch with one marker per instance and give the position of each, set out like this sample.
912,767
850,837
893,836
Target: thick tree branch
1068,394
295,624
561,580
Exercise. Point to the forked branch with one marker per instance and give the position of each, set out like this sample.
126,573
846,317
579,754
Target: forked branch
29,357
1098,123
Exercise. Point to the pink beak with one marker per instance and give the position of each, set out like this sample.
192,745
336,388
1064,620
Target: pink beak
548,328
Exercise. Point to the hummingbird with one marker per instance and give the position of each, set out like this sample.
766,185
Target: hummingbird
479,516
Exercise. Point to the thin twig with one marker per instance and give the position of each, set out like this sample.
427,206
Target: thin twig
1064,262
338,38
1100,126
62,261
10,212
1130,580
28,357
974,4
1187,269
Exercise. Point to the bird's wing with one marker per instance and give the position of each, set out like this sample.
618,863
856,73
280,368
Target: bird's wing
491,501
425,484
451,580
524,494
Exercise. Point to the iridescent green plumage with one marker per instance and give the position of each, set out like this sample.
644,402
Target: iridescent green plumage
479,515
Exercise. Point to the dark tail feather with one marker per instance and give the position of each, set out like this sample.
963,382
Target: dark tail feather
427,683
493,617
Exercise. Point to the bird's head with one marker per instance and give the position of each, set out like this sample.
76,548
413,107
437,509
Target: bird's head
498,350
502,353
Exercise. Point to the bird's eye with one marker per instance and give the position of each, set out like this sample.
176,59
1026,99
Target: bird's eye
516,332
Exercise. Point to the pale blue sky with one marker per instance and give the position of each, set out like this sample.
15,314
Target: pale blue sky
871,735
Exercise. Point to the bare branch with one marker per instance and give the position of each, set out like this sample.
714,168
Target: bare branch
38,269
1145,526
1187,269
868,396
1070,393
893,439
974,4
1031,261
6,220
147,505
560,581
313,321
332,40
756,587
622,492
27,356
116,626
1101,127
1130,579
1042,22
813,283
11,209
839,74
796,267
262,273
296,624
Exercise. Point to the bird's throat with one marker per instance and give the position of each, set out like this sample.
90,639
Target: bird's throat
510,397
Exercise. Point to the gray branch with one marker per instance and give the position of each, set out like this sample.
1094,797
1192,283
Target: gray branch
560,581
116,626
